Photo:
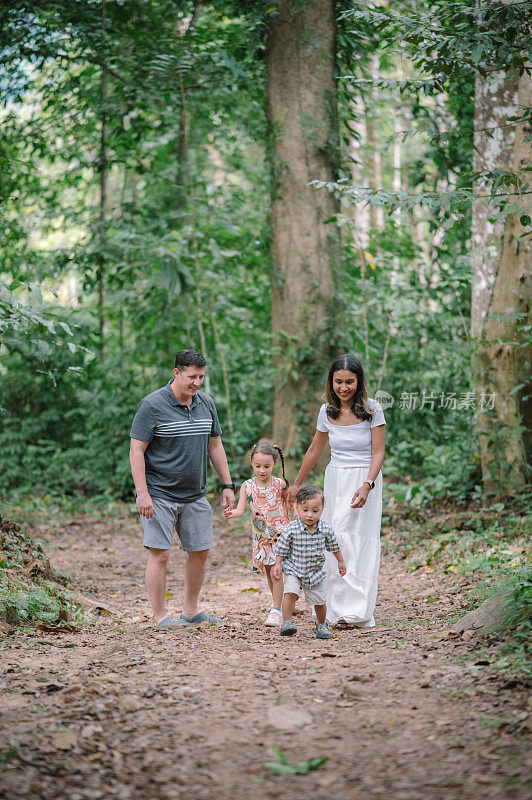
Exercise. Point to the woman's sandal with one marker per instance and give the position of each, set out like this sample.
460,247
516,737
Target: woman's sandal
343,625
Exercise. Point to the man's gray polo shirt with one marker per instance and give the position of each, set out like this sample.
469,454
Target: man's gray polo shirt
176,457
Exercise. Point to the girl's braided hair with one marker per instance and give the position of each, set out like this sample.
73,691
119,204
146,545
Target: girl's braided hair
272,450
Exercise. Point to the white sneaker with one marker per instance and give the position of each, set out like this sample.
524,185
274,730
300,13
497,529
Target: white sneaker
274,618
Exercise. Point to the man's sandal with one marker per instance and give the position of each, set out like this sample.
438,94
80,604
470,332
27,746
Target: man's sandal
167,624
197,619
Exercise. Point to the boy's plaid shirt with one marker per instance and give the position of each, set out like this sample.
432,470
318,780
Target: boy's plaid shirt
303,552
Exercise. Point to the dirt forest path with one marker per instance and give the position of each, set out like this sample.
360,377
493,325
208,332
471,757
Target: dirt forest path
120,710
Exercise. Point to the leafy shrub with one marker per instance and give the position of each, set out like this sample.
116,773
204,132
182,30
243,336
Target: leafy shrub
30,592
19,606
518,616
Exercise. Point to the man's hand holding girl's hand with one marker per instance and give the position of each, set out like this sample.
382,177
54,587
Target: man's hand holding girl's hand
277,572
228,500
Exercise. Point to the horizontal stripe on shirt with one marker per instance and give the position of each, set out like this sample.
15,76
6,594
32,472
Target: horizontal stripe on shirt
181,435
185,422
196,429
169,428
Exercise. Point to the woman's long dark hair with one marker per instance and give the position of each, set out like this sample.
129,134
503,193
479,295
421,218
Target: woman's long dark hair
359,405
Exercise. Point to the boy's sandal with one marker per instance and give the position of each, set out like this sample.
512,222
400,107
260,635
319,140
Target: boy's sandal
322,630
287,628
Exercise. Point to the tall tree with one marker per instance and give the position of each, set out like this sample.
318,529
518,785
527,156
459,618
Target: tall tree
104,177
305,251
502,288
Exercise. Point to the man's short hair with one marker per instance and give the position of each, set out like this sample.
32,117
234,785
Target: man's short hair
308,492
189,358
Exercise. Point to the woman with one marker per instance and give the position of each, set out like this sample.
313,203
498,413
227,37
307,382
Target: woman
354,426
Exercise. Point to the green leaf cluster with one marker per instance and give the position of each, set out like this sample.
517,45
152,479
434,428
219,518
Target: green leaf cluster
281,766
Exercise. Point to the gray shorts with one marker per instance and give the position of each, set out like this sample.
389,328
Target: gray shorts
314,596
192,523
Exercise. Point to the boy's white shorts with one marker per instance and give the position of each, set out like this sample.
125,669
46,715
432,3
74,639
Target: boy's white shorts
314,596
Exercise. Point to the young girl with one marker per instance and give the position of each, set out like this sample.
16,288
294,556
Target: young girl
269,515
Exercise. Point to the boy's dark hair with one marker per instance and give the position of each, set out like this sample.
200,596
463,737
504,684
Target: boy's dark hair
308,492
189,358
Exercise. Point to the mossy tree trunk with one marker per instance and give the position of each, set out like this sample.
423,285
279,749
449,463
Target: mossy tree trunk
305,251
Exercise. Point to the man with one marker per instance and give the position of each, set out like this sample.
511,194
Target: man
174,433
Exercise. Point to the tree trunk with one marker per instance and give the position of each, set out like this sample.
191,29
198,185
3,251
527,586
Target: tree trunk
501,286
495,101
361,211
104,172
374,163
194,237
302,112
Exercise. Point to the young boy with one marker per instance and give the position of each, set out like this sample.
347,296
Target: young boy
301,551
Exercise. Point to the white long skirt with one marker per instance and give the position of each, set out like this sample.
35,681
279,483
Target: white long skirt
358,531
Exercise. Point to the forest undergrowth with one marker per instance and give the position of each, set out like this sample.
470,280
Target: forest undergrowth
32,594
488,547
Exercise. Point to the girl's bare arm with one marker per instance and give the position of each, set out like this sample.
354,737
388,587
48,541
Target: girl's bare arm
240,507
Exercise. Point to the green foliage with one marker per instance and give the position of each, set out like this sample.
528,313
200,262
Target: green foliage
280,765
452,38
519,610
508,650
66,417
489,544
516,654
17,317
30,593
97,293
35,605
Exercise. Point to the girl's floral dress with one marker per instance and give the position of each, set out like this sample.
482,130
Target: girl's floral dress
269,515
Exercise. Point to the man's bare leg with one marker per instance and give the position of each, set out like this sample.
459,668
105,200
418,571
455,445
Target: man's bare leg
195,566
156,581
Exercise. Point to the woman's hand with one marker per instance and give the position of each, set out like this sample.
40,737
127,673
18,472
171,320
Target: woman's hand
294,489
360,496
